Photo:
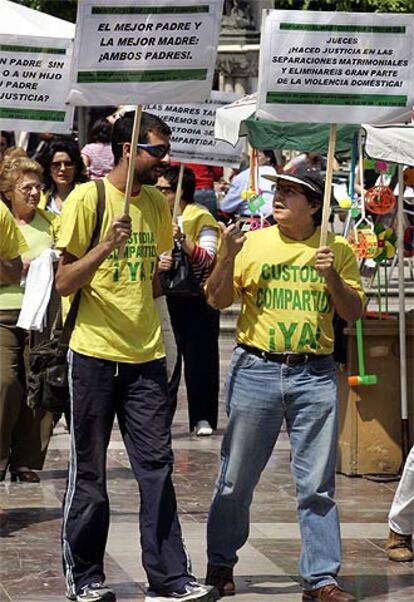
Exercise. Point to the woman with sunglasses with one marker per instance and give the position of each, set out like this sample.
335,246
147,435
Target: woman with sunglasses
63,170
25,431
195,323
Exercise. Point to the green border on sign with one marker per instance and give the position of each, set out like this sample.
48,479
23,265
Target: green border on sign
31,114
318,98
37,50
149,10
342,28
117,77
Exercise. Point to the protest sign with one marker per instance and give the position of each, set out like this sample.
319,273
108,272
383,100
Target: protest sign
192,127
34,84
141,51
336,67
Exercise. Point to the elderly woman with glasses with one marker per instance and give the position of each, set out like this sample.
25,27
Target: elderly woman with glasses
24,431
63,170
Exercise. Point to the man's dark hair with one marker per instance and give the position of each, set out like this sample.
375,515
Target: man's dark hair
63,144
101,131
171,173
122,131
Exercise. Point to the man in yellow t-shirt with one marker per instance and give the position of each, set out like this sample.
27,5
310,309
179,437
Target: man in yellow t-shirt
282,369
117,366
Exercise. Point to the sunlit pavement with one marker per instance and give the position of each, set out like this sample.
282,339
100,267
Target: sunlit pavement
267,571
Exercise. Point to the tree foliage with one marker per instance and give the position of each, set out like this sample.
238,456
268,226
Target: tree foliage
66,9
351,6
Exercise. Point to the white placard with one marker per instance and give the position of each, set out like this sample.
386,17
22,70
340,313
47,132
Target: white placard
192,127
336,67
142,51
34,84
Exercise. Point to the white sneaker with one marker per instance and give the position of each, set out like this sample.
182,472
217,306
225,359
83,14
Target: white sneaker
96,592
191,591
203,429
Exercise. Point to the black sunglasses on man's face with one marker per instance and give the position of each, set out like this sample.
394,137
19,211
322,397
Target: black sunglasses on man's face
158,151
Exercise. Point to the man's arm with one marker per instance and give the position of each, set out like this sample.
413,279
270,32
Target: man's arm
73,273
156,284
346,300
10,270
219,287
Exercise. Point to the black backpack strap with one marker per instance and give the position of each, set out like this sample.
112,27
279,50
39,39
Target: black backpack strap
73,311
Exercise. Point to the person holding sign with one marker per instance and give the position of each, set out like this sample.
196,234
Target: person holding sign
117,366
195,323
283,368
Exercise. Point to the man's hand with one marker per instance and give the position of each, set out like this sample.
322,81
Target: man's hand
233,240
119,232
324,261
345,299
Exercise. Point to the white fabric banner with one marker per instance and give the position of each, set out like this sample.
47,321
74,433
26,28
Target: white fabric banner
394,144
141,51
229,119
34,84
192,126
333,67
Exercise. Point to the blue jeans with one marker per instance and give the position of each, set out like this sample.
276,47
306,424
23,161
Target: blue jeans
259,394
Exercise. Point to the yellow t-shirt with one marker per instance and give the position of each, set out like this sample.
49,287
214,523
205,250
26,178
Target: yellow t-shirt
39,235
286,306
117,319
12,241
195,218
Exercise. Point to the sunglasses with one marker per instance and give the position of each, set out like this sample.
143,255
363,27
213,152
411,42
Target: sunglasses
59,164
158,151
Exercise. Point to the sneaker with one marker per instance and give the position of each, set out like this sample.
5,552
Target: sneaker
203,429
95,592
221,577
191,591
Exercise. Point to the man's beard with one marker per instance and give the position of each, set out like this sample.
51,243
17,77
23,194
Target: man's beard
147,176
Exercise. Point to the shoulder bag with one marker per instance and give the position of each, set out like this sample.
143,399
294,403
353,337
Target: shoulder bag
47,379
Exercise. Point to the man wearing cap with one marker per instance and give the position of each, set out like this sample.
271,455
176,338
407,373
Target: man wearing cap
283,369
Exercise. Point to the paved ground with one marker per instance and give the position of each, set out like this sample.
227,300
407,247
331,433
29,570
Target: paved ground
30,557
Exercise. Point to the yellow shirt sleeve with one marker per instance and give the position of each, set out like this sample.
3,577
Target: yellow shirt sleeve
12,241
165,240
347,267
78,219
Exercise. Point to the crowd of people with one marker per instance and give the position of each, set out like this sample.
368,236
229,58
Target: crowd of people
71,201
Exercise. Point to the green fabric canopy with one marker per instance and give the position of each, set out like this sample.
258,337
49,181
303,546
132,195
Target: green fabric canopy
264,134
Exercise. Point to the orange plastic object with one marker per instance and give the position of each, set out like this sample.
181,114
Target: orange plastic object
380,200
364,243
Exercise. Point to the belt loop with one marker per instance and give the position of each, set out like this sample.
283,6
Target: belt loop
264,356
116,370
